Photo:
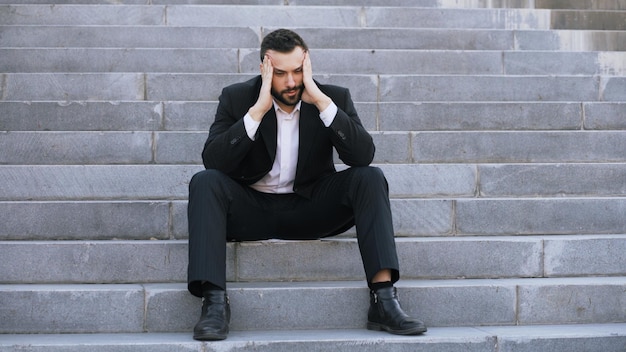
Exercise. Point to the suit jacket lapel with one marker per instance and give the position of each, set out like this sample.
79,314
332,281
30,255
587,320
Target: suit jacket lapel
268,131
309,126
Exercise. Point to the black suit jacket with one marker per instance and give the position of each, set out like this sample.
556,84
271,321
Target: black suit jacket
229,149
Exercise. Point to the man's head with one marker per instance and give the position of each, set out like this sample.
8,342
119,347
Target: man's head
282,41
285,49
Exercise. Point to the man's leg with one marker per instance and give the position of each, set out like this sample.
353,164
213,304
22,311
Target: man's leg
214,198
366,193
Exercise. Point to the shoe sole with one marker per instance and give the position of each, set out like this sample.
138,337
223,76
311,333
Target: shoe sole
209,337
380,327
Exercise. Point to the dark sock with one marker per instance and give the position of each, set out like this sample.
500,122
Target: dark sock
207,286
375,286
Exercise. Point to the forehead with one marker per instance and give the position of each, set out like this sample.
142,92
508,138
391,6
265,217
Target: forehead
287,61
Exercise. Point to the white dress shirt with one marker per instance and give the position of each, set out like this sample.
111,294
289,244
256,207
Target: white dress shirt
281,177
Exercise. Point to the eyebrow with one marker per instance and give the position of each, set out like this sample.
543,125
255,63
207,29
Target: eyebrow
277,70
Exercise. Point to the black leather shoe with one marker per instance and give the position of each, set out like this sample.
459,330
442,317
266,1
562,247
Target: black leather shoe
215,317
385,314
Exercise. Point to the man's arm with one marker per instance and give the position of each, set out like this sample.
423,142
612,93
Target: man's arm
231,137
352,142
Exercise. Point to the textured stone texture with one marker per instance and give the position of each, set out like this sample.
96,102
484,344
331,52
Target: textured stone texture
502,141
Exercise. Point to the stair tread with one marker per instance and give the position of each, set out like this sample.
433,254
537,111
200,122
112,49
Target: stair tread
358,339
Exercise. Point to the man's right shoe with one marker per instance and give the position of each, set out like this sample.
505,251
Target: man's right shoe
215,317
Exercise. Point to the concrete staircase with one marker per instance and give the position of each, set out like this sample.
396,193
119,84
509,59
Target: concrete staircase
501,126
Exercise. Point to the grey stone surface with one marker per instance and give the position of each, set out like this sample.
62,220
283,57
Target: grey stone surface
91,182
471,257
258,16
431,180
572,337
605,116
81,116
180,147
585,20
519,147
540,216
189,116
423,217
447,88
573,301
561,63
392,147
340,305
88,182
67,87
299,261
349,340
189,87
457,18
373,61
81,15
58,148
71,308
473,116
571,40
613,88
76,60
133,36
93,261
489,88
84,220
541,180
179,220
406,38
576,338
585,255
120,261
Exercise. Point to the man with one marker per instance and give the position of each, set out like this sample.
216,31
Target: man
270,174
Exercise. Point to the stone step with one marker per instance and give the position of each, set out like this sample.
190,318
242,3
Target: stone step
332,259
466,147
134,308
539,4
573,338
66,36
588,20
333,61
169,182
384,116
119,86
277,16
167,219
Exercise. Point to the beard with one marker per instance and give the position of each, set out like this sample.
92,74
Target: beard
287,100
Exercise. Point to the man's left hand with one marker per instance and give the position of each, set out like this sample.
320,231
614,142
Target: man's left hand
312,94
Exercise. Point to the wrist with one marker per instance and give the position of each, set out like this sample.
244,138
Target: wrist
256,113
323,103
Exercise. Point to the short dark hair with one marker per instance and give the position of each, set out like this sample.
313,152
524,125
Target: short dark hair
283,41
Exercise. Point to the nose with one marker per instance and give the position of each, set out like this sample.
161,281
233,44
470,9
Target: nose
290,80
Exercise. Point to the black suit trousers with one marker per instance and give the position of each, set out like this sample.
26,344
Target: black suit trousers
222,210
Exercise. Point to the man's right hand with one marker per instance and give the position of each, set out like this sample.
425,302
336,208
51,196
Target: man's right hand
264,103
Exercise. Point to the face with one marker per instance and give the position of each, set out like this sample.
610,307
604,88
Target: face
287,86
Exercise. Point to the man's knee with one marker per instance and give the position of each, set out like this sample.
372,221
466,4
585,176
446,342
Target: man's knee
370,174
207,180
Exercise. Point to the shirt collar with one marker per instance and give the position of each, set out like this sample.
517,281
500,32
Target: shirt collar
296,108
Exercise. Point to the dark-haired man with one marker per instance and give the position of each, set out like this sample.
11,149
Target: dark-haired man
270,174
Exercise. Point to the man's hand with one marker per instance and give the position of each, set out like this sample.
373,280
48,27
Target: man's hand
312,94
264,103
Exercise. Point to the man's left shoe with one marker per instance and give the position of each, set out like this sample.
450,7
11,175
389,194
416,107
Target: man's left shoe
385,314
